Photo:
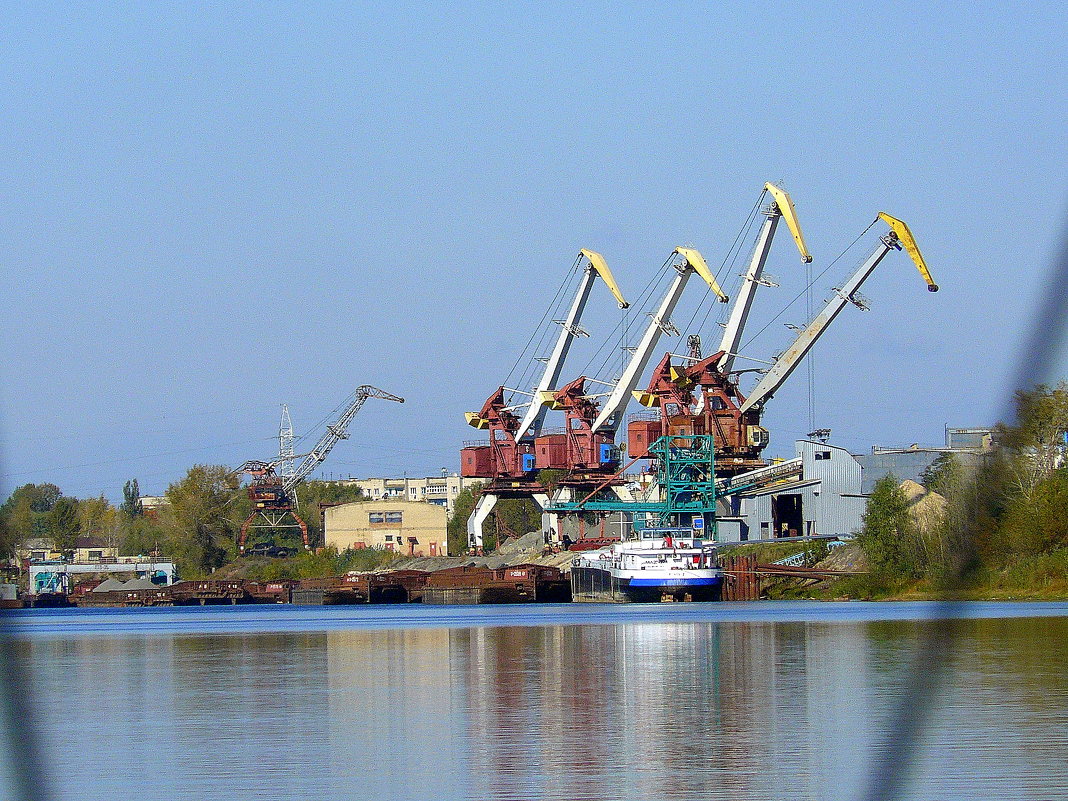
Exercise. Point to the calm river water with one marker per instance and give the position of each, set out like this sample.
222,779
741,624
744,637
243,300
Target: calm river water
687,701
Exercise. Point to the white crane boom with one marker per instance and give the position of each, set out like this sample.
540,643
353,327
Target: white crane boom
595,265
334,434
781,206
286,454
617,400
899,236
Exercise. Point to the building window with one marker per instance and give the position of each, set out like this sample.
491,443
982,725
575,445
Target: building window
376,518
96,556
394,518
822,455
37,555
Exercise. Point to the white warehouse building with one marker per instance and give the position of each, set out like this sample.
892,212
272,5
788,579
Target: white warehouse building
819,495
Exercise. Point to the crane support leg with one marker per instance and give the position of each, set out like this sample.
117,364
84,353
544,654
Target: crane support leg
303,530
485,504
550,524
242,537
551,520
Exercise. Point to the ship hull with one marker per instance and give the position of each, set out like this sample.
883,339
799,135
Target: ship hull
605,585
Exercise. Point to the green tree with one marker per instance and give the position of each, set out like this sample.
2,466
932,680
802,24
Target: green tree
457,526
550,478
315,496
888,533
1037,437
25,514
63,524
131,499
35,500
42,497
515,517
944,475
1039,523
140,536
16,523
200,530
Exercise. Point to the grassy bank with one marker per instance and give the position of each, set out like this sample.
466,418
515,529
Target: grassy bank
325,562
1043,577
1038,577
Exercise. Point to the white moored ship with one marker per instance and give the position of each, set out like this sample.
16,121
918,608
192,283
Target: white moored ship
659,564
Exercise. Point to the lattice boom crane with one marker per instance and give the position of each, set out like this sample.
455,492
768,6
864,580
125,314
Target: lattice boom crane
272,496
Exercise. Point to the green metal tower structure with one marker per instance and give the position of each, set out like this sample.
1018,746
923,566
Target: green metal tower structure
687,483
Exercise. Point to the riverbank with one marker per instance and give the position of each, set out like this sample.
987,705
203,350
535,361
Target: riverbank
1043,577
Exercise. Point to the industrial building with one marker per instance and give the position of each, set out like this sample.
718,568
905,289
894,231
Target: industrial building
817,493
908,463
413,528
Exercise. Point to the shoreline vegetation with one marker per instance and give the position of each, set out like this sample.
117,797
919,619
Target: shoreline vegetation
994,529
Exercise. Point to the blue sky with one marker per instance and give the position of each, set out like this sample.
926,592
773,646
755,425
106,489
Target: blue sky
209,211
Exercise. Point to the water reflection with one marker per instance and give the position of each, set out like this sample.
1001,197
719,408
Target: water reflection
683,710
662,711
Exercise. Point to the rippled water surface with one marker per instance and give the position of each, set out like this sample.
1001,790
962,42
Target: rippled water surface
689,701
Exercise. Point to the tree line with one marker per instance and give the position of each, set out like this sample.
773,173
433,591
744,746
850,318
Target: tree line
197,526
1004,524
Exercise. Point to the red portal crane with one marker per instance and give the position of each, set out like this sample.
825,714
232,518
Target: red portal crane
273,496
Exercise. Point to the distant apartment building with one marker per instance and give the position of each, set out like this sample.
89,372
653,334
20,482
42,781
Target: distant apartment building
152,504
438,490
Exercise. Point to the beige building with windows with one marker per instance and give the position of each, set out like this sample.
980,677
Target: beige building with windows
413,528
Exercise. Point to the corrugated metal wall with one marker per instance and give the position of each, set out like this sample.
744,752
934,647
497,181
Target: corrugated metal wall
831,506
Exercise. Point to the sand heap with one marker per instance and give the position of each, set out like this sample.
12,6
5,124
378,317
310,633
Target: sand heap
926,507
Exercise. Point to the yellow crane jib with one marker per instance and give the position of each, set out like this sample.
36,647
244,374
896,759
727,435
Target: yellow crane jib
786,208
475,420
601,266
697,261
548,398
905,237
644,398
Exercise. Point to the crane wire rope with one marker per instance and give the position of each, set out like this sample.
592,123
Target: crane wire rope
642,305
331,415
810,284
558,313
548,312
735,248
542,331
810,362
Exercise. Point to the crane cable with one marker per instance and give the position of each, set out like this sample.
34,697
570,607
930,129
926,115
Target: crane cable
810,284
556,312
550,311
735,248
642,305
332,414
